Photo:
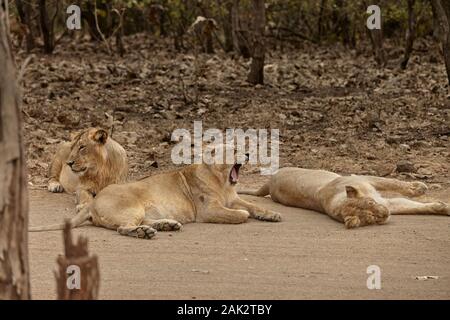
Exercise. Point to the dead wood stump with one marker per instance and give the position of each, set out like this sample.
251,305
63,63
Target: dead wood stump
78,276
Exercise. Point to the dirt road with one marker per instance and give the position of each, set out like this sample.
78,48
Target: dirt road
307,256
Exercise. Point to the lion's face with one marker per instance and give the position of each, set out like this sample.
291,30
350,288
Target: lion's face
359,210
227,173
87,151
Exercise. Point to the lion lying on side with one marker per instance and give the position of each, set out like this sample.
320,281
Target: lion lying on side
87,164
196,193
353,200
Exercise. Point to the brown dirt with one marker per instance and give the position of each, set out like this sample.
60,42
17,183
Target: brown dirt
307,256
334,107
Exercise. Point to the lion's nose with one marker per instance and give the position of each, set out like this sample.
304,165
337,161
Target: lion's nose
70,163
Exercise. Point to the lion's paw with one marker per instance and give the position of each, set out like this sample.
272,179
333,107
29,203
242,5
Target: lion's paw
441,207
142,232
352,222
268,216
55,187
418,188
167,225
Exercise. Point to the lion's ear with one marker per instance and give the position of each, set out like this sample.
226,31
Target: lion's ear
100,136
352,192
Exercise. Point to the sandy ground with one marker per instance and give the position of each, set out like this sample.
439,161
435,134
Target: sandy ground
307,256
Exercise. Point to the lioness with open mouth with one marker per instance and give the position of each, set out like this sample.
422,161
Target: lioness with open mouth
195,193
353,200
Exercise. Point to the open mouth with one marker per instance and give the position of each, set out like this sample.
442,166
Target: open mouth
234,173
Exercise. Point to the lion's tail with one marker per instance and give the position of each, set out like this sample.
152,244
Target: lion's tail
261,192
76,221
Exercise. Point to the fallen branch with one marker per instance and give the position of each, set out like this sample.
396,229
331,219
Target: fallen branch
23,67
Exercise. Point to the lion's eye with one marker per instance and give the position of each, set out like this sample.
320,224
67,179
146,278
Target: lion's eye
81,148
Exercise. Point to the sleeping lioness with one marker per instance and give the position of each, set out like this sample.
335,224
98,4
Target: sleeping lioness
353,200
88,163
196,193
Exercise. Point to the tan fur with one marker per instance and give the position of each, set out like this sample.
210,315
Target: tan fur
97,161
196,193
353,200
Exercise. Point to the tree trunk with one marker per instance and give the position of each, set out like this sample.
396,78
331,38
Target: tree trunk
88,15
341,22
119,42
76,260
226,21
410,33
120,31
240,41
235,25
436,27
376,39
256,75
320,28
162,22
14,270
441,9
208,45
25,14
46,27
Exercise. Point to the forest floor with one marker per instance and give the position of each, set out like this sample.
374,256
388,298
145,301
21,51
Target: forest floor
335,110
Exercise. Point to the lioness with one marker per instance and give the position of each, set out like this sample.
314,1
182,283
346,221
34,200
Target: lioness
88,163
353,200
196,193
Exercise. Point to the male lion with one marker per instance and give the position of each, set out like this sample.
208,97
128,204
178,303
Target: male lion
195,193
87,164
353,200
